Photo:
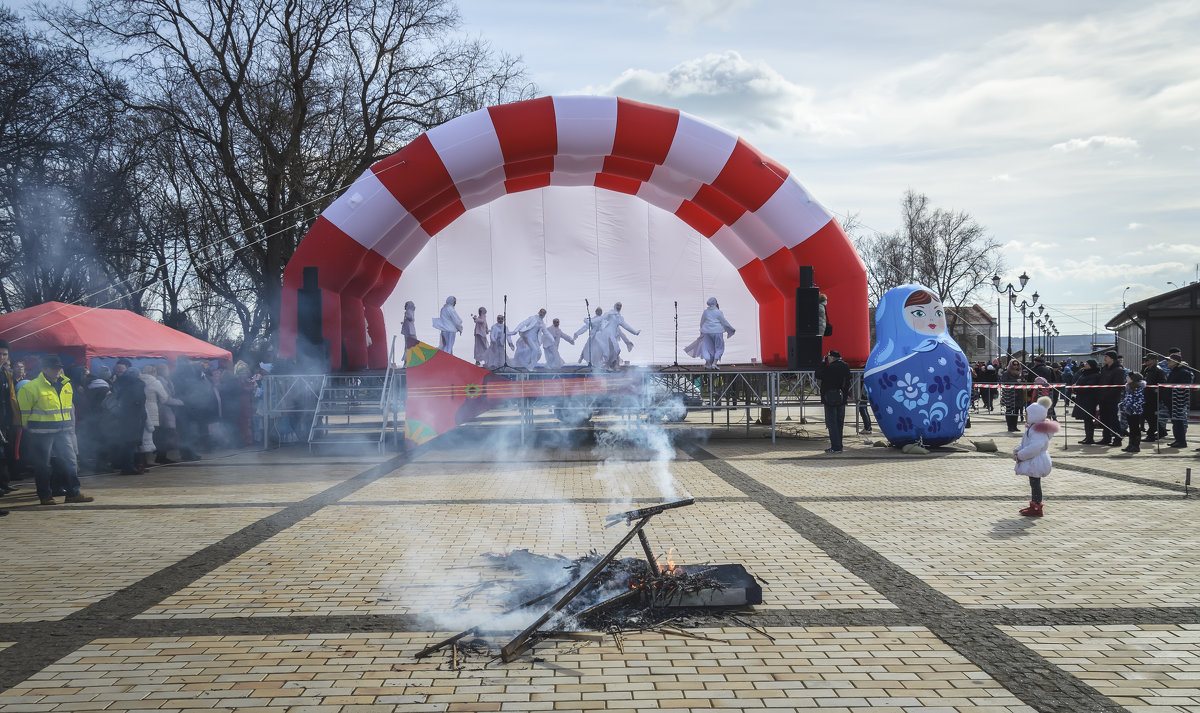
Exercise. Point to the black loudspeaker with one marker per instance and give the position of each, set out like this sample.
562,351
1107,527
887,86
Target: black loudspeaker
806,310
312,349
806,276
804,353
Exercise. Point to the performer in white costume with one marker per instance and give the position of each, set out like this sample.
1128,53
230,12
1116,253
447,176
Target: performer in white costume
529,343
481,336
595,349
496,353
449,324
710,345
408,328
613,324
551,336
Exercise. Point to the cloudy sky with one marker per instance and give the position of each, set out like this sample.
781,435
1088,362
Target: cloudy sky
1070,129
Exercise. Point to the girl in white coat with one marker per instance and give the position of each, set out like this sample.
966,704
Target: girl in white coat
1032,456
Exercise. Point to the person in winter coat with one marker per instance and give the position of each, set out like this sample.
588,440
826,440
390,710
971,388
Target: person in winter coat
1011,399
1133,403
1087,400
129,421
156,403
1032,456
1181,374
1153,375
1111,374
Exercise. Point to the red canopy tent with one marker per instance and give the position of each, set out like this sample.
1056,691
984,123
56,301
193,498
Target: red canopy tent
80,334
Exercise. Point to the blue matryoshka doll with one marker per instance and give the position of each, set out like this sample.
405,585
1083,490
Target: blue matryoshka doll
917,377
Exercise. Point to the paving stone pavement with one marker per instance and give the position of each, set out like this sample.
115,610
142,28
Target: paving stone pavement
284,581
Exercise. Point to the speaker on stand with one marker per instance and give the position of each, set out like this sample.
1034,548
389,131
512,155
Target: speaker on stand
804,349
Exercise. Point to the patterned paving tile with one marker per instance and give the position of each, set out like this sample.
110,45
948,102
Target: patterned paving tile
830,669
56,563
368,559
1082,554
1142,668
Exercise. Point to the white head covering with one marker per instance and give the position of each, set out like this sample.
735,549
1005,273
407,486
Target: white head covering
712,301
1036,412
451,300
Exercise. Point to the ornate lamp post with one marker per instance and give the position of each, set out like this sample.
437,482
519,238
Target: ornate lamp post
1012,299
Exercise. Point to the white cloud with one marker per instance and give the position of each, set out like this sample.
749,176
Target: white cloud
722,86
1002,178
1135,226
1090,239
1097,142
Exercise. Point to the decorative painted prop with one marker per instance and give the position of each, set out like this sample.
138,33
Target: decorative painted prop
917,377
752,208
444,392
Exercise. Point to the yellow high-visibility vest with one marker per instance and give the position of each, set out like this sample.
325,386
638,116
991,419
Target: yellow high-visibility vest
44,408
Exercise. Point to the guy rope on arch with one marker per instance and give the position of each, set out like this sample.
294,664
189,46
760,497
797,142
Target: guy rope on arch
751,208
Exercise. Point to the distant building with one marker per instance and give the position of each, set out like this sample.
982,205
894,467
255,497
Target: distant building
1158,323
974,330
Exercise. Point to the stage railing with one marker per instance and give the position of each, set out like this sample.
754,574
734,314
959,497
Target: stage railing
289,405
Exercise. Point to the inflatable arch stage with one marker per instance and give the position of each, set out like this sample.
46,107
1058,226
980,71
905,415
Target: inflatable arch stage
755,213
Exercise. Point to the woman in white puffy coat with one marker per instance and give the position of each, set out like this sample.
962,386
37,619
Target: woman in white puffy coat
156,401
1032,456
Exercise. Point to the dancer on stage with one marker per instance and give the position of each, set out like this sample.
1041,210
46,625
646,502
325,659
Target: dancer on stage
551,336
481,336
595,349
613,324
449,324
408,328
496,353
710,345
529,343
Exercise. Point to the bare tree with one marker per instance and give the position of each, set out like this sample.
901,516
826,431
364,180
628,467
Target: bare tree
945,250
67,158
267,109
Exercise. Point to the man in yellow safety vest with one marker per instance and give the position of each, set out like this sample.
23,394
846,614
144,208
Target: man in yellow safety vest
47,413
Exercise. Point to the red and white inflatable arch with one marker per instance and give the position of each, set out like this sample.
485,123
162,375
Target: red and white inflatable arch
755,213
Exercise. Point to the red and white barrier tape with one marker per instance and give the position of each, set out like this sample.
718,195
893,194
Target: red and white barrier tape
1086,386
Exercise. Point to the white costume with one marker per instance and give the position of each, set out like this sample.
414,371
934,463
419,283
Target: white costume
481,336
611,329
449,324
408,328
551,336
496,354
595,349
710,345
529,343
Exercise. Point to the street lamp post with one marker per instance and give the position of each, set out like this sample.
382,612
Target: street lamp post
1012,299
1026,312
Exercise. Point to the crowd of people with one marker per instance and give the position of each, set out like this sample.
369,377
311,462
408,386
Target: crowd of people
1113,401
56,423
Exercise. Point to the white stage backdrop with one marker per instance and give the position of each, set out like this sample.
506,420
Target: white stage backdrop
556,246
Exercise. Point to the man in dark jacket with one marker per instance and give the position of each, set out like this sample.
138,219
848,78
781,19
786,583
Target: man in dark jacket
1087,400
1111,375
834,375
1155,377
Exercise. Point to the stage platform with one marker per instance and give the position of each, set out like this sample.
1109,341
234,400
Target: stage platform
660,392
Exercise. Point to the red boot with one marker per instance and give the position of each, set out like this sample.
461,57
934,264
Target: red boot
1034,510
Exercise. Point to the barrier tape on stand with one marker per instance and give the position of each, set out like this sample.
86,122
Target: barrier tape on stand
1086,386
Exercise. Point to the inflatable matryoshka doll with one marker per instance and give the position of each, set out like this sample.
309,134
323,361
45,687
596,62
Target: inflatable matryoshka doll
917,377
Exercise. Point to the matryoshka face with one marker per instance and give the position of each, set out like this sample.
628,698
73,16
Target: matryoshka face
926,318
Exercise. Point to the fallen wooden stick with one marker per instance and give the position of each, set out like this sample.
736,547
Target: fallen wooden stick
751,626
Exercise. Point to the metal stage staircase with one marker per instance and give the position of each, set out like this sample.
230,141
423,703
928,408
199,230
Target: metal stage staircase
359,408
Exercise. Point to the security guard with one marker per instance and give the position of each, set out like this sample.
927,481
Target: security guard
50,431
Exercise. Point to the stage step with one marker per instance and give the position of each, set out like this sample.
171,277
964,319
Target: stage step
351,410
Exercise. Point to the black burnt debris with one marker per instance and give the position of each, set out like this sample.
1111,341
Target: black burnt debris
601,593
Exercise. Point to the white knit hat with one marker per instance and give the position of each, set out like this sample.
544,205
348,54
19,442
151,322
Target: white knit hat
1036,412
